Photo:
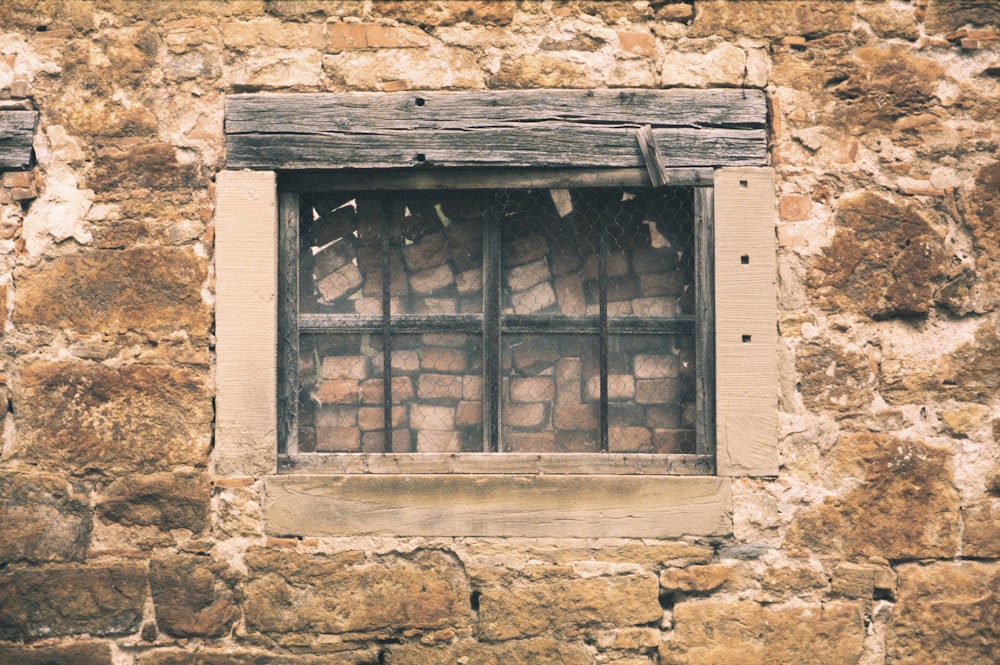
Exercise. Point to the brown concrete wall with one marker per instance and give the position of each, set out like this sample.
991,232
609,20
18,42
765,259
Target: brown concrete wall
878,541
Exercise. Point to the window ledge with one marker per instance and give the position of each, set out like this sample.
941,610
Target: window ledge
529,506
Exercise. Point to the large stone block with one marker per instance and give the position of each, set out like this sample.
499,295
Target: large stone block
42,518
143,289
981,535
192,596
884,261
946,613
80,416
70,599
948,15
351,593
86,653
152,166
723,632
524,607
178,500
246,657
537,651
771,18
477,12
905,507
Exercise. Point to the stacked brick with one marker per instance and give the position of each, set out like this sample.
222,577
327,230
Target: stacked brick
550,265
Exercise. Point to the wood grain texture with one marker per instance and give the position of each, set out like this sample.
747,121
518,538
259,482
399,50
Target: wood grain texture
496,463
17,133
246,247
529,128
745,323
502,506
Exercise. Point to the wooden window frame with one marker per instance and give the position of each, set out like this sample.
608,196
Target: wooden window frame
456,499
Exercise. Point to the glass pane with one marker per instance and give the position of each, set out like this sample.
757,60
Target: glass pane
442,406
545,406
340,397
436,242
651,394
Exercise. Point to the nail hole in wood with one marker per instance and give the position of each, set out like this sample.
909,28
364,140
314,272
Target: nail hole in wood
745,260
419,101
744,183
746,339
421,157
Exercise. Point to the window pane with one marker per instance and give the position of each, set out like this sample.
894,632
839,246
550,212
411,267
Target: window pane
443,412
651,394
545,405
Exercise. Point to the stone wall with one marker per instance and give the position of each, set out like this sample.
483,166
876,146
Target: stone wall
879,540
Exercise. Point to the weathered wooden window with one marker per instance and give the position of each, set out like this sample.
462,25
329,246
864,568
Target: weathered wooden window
482,320
496,255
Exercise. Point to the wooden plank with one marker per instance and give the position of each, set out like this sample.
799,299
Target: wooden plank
246,255
482,178
349,112
288,312
704,204
17,133
549,145
497,463
499,506
745,323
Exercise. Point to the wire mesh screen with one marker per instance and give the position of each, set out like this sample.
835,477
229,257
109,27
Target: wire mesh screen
524,320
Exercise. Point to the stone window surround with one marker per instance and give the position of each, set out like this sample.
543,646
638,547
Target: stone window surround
528,505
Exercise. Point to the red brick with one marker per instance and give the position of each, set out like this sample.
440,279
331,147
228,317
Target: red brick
337,391
534,299
533,389
439,386
443,359
18,179
429,417
469,413
372,390
345,367
629,440
575,416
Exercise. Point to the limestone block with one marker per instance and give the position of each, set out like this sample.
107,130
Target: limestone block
166,500
349,592
532,607
946,613
105,291
70,598
192,596
42,518
276,68
710,632
720,64
80,416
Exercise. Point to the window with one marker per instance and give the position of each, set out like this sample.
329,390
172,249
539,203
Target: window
483,251
482,320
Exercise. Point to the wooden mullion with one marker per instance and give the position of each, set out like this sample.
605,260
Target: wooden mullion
491,331
288,306
704,320
387,209
603,335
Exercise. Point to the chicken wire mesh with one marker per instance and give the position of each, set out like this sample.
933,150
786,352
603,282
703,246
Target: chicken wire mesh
578,276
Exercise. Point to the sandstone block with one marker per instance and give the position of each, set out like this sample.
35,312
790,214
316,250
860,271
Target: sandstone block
657,391
476,12
763,18
85,653
337,439
577,441
947,15
981,535
79,416
655,366
694,578
524,250
333,257
428,252
432,280
620,387
339,283
104,292
337,391
527,608
192,596
166,500
349,592
151,166
945,613
852,580
575,416
431,68
710,632
469,414
405,360
529,442
42,518
884,261
674,440
69,599
907,506
537,651
623,439
373,417
372,390
230,656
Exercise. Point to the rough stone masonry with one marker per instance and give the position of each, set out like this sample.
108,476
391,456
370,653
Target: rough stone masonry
877,543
